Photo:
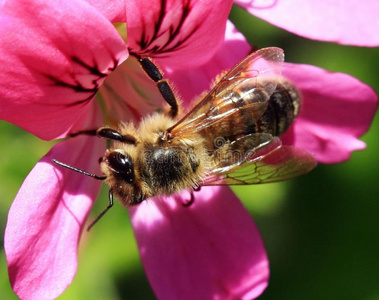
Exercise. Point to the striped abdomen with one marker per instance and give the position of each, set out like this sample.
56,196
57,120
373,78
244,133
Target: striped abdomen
252,113
282,109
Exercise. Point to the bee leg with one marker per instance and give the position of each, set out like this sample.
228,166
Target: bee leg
83,132
152,70
112,134
197,188
189,201
108,133
103,212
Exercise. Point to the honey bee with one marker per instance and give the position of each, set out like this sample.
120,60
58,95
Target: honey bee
230,137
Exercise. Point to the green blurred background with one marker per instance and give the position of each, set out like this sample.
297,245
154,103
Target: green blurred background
321,231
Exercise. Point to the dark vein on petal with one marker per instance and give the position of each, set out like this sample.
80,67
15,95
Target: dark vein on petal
143,41
93,70
148,46
175,32
158,25
180,44
76,85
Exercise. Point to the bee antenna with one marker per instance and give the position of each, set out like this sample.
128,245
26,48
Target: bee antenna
103,212
78,170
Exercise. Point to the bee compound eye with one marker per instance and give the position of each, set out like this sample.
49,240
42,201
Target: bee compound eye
122,165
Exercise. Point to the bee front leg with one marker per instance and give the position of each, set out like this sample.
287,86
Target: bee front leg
164,87
108,133
103,212
112,134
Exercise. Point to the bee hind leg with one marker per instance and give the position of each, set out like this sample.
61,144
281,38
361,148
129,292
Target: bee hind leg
164,87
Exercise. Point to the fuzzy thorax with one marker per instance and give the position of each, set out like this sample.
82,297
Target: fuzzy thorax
157,166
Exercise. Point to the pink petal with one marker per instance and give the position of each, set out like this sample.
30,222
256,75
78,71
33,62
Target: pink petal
113,10
182,33
209,250
137,95
345,22
53,57
130,94
46,219
192,82
337,109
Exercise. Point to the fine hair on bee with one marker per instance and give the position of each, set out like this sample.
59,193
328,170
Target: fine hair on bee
229,137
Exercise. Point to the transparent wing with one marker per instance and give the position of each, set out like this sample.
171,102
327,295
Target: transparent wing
270,161
250,81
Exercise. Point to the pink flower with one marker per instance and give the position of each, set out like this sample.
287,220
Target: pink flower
346,23
61,60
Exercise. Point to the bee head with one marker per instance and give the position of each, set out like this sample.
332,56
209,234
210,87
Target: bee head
120,164
119,168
